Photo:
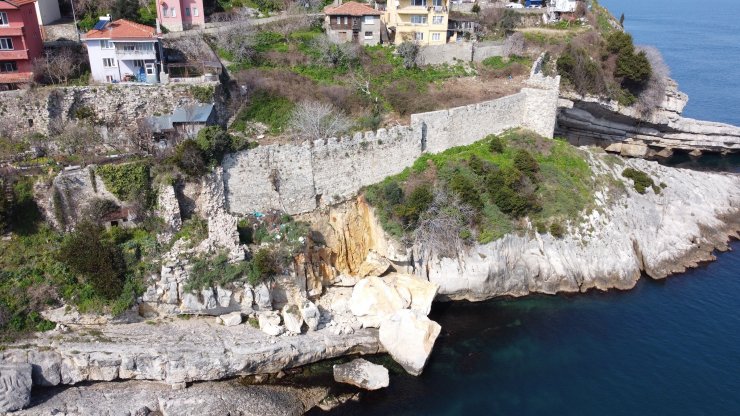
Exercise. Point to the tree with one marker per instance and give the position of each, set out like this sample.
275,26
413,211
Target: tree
621,20
77,137
126,9
96,259
336,55
409,51
189,158
476,8
57,66
214,142
314,120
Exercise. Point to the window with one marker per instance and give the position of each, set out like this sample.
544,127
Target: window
419,36
187,11
150,69
437,3
435,36
129,47
6,44
196,13
164,11
422,3
8,66
419,19
346,20
173,12
369,20
109,78
139,63
3,19
368,35
106,44
109,62
437,20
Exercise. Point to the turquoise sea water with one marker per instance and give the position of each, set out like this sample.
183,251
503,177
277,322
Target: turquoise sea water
665,348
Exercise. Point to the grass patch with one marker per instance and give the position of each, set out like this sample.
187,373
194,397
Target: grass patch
499,62
271,110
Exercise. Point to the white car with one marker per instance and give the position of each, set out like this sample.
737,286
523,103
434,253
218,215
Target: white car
514,6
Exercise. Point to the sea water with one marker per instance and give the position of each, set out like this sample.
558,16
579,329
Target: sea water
667,347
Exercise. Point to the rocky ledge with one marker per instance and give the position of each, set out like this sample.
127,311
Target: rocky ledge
588,120
177,351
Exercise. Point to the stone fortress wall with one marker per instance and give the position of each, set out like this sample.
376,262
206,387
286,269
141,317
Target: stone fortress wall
299,178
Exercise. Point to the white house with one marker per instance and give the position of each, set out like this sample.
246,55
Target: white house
563,6
123,51
47,11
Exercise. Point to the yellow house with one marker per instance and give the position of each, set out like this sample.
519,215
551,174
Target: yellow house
423,21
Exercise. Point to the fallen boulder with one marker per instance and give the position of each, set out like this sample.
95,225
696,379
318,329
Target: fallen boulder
292,318
269,323
311,315
374,265
363,374
373,300
420,292
230,319
409,337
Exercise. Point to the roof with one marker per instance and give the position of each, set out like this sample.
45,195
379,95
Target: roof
352,8
198,113
123,29
19,3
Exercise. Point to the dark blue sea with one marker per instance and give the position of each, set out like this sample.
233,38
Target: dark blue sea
665,348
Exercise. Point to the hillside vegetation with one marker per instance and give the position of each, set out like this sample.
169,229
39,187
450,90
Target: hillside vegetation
480,192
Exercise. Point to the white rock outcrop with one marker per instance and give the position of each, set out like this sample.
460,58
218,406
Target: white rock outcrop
373,300
292,318
15,386
409,337
363,374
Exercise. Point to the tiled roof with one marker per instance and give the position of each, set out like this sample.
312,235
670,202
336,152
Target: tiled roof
19,3
15,77
123,29
351,8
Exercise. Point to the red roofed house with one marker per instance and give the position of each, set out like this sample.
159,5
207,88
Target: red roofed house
179,15
20,42
353,22
123,51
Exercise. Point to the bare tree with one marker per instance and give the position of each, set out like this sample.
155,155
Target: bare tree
77,137
438,230
57,66
238,40
409,51
336,54
193,48
314,120
654,93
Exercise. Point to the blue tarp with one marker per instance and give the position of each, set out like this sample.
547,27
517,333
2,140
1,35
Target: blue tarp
534,3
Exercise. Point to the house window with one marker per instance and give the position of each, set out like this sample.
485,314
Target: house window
109,62
346,20
422,3
3,19
150,69
129,47
437,20
369,20
435,36
106,44
173,12
419,36
368,35
437,3
139,63
187,11
6,44
196,13
9,66
164,11
419,19
109,78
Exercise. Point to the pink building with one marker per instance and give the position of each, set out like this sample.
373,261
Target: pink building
179,15
20,42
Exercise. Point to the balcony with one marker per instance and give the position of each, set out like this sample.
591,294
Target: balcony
15,54
15,77
11,30
127,54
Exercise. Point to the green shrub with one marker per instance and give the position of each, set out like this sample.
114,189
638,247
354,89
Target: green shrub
214,143
557,230
97,260
194,229
526,163
495,144
264,265
189,158
127,181
465,188
640,179
216,271
202,93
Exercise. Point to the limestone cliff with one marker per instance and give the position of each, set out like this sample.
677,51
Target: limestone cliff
627,234
588,120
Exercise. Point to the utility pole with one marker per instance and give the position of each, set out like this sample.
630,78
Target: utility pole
74,17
